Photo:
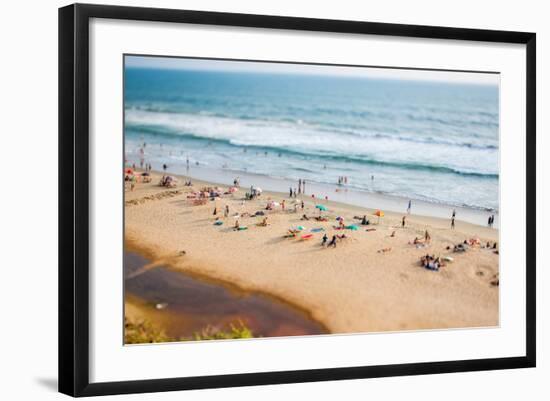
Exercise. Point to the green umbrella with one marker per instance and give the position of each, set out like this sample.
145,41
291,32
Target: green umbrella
321,207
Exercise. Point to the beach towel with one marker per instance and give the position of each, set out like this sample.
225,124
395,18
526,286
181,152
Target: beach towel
316,230
218,223
307,236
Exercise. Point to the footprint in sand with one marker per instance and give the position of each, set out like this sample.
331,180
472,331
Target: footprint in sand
485,274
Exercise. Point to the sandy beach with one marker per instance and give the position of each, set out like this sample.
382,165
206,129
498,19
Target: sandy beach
353,287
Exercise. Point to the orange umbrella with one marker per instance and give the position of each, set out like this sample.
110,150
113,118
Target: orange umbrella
379,213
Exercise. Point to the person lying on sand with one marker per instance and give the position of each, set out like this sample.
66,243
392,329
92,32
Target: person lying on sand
320,218
460,248
392,234
291,233
430,262
416,241
384,250
304,217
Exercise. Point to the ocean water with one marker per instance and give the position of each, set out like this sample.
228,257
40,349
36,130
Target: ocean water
432,141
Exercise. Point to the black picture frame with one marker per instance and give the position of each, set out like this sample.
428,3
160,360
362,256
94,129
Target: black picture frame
74,198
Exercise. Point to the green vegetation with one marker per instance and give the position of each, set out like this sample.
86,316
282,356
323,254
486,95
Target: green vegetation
144,332
235,331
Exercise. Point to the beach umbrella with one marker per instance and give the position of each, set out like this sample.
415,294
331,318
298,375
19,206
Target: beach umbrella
321,207
379,213
339,218
129,171
301,228
352,227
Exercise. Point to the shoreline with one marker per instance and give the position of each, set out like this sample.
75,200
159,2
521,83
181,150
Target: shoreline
166,226
341,194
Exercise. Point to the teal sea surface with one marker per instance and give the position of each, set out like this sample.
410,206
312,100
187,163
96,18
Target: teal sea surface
432,141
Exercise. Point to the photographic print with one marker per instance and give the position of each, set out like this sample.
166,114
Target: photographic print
273,199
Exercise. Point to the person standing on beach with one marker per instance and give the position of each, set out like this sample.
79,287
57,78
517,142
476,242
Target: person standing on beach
409,207
295,193
164,167
290,195
325,239
332,242
302,205
454,213
489,222
226,212
403,222
283,205
300,186
453,222
304,186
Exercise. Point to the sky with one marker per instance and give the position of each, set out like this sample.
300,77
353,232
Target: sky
176,63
